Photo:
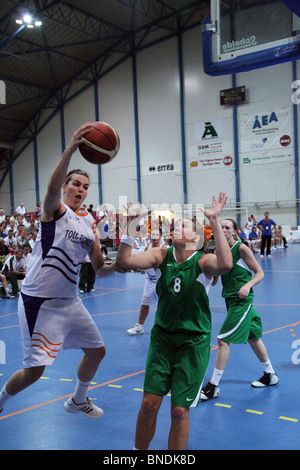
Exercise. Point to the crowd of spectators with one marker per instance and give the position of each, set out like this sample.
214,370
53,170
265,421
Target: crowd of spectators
18,234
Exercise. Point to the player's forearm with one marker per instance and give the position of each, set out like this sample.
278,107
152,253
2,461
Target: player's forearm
222,249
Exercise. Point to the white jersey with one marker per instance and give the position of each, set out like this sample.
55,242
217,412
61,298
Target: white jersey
57,255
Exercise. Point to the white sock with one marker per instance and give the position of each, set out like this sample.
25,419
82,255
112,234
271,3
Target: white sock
4,397
267,367
216,377
80,391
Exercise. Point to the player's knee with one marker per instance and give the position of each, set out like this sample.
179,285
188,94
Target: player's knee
33,374
179,415
95,354
150,406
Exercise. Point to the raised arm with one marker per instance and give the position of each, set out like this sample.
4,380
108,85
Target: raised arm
146,260
221,261
52,204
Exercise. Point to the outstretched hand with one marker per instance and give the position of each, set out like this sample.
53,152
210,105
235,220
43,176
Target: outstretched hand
135,213
78,135
216,208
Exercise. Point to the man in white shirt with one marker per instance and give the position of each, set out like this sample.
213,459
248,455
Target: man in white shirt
21,209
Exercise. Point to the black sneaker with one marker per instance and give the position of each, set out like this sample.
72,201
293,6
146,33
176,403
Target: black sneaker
209,391
266,380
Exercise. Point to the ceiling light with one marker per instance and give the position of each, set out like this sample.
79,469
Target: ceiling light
27,18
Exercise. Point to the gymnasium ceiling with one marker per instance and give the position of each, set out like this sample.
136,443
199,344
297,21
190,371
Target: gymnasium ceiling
78,42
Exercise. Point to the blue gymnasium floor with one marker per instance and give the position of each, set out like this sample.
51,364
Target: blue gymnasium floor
242,418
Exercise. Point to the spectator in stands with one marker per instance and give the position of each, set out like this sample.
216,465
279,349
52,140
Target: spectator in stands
12,226
91,209
14,217
2,233
4,251
26,253
254,240
22,239
4,287
21,209
31,228
26,220
38,210
243,236
279,237
32,239
11,242
15,269
2,215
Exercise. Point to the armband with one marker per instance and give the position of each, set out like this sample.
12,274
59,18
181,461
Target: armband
128,240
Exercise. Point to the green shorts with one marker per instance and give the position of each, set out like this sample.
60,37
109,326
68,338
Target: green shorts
242,322
177,363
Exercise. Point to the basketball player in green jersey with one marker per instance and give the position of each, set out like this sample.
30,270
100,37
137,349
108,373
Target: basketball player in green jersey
180,338
242,323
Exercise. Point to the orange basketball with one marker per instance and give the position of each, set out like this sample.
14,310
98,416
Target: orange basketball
100,144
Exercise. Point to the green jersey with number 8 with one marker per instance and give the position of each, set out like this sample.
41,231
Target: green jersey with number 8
183,304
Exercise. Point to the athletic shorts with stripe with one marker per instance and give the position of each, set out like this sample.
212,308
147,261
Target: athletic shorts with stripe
242,322
149,293
47,325
177,363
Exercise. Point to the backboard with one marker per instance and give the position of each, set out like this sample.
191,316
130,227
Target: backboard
242,35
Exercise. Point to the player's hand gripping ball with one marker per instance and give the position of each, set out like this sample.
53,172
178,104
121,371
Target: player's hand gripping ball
100,144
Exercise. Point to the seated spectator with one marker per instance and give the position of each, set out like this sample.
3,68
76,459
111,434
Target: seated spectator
12,226
32,240
20,221
4,287
26,253
22,239
14,269
2,215
26,220
255,240
243,236
279,237
4,251
21,209
11,242
31,228
14,217
2,233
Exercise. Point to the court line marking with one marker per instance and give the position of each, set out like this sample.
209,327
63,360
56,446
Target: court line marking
69,395
288,419
255,412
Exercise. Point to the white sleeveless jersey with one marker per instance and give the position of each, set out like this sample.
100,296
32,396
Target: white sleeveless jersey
57,255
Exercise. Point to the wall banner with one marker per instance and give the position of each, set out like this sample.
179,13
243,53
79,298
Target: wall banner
212,150
266,137
162,168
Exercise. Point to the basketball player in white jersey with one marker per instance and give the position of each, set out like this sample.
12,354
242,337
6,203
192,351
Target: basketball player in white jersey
149,294
51,313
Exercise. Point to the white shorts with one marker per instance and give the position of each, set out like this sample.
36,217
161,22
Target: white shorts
47,325
149,293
